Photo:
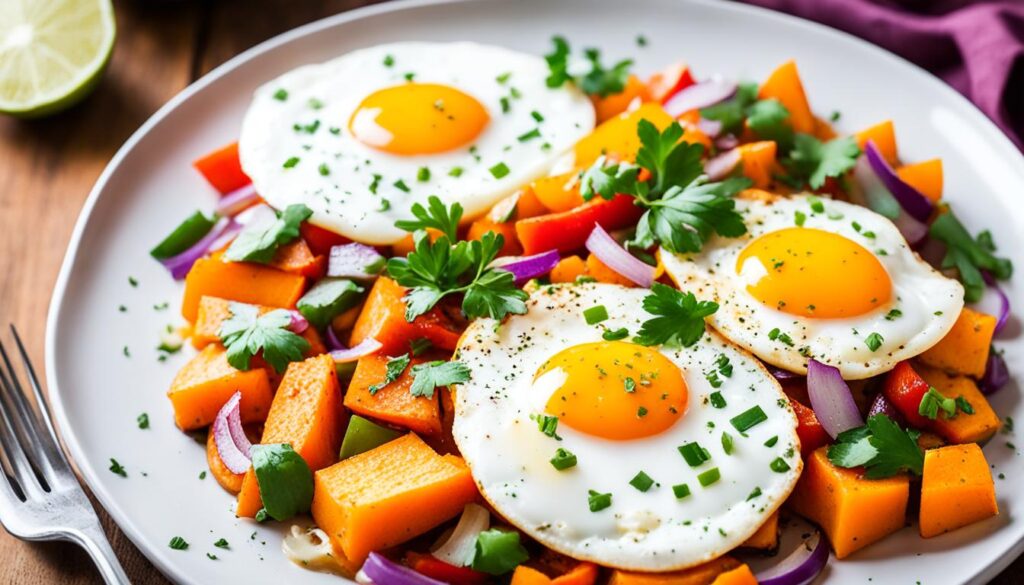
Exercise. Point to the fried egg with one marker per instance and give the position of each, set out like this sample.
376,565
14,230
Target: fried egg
821,279
363,137
636,457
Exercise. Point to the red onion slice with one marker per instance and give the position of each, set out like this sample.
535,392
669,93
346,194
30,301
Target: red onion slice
180,265
874,195
909,198
228,435
709,127
355,260
800,567
781,374
332,339
1004,300
384,572
727,142
365,347
700,95
607,250
229,234
831,399
881,405
237,201
719,167
997,374
299,323
524,268
458,549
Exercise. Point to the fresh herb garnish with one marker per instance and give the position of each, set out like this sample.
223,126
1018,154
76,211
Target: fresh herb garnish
327,299
598,81
681,491
285,480
392,370
598,501
260,242
595,314
679,317
547,424
440,268
709,477
117,469
143,421
178,543
642,481
498,551
812,161
881,447
968,255
247,332
430,375
874,341
748,419
563,459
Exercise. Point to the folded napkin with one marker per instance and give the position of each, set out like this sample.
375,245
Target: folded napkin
976,46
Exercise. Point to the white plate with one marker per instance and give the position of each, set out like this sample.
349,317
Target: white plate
97,392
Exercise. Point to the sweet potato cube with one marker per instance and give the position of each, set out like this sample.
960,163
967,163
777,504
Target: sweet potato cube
389,495
393,403
297,258
213,311
964,350
741,575
239,281
784,85
956,489
925,176
854,512
767,536
307,414
383,318
568,269
963,428
883,135
703,574
582,574
207,381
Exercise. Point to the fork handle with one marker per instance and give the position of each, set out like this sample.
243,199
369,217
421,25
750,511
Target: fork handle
94,541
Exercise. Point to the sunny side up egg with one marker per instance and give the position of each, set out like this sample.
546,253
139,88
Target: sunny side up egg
363,137
822,279
653,458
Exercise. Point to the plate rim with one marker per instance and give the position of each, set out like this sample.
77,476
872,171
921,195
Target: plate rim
992,134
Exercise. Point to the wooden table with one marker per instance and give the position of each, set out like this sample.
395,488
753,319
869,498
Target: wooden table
47,168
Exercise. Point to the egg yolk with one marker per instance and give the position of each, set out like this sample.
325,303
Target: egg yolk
814,273
418,118
616,390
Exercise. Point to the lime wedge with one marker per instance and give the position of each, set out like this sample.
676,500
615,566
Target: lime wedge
52,53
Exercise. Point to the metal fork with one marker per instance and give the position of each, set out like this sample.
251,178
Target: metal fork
40,498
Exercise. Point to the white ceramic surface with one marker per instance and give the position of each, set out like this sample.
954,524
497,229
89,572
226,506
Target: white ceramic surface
149,186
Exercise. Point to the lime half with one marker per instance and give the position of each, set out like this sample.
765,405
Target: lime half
52,53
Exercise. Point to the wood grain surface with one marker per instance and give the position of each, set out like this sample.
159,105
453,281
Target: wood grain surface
47,168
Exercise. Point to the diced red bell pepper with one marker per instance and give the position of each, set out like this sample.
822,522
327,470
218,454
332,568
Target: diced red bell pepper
905,388
568,230
669,81
812,434
321,240
442,571
223,169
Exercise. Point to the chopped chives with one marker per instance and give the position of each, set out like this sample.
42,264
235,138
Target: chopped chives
178,543
595,314
816,205
641,412
694,454
281,94
771,442
799,218
641,481
548,425
563,460
727,443
709,477
389,60
323,169
779,465
874,341
401,186
615,334
754,493
598,501
423,174
499,170
455,172
748,419
291,162
681,491
717,400
536,116
629,385
535,133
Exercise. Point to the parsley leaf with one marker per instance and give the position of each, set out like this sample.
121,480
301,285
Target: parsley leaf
679,317
430,375
597,81
732,112
435,216
881,447
392,370
968,255
683,210
769,119
247,332
814,161
436,269
259,243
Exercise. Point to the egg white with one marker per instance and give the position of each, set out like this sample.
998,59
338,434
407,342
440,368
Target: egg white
929,303
644,531
342,200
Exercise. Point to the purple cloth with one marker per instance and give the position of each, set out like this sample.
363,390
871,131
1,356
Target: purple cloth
976,46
